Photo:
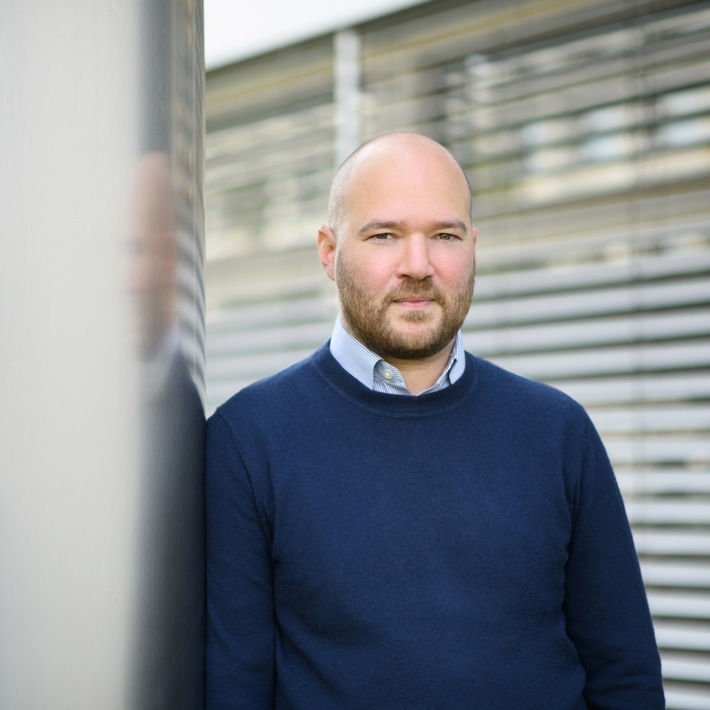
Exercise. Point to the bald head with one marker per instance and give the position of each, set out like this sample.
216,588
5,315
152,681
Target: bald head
392,149
401,249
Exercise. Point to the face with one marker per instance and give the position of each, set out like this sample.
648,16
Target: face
403,257
153,254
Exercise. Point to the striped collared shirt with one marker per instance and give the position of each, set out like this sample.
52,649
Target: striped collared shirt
377,374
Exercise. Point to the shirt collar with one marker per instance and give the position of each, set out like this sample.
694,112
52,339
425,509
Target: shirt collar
369,368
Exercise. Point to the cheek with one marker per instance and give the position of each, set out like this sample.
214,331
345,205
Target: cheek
455,271
366,275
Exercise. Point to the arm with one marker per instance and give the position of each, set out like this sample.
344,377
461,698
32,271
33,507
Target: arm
605,601
240,619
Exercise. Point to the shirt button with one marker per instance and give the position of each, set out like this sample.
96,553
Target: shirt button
388,374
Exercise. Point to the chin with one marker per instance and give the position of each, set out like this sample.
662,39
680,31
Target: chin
416,333
414,348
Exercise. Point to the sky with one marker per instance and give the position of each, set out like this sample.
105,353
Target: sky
235,29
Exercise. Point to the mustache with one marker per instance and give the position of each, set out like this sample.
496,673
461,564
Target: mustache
415,289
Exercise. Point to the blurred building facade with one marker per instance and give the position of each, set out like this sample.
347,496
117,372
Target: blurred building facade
584,127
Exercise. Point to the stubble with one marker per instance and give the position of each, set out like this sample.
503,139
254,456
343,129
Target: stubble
372,323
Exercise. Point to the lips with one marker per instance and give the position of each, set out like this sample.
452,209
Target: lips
415,299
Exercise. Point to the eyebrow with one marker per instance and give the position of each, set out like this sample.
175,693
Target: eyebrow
393,224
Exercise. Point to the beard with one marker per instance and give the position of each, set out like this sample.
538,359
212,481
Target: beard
369,321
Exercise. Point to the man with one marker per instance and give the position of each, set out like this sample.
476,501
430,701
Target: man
395,523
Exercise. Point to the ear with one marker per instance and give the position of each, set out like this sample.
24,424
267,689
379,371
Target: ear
326,250
474,234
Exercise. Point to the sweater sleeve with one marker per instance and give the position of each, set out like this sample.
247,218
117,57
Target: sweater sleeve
606,610
240,617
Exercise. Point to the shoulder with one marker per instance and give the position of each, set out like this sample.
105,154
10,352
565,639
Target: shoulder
518,388
519,401
538,422
272,396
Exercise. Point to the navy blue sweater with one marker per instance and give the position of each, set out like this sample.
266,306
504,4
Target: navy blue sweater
462,549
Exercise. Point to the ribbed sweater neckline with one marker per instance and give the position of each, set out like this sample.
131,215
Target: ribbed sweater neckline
338,379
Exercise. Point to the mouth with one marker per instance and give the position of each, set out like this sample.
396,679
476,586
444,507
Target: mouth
414,304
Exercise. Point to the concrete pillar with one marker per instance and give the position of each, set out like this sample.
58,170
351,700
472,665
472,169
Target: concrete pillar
101,355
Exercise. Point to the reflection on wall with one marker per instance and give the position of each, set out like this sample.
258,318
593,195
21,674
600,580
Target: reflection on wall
167,656
166,290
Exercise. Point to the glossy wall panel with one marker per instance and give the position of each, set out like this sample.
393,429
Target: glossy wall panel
101,355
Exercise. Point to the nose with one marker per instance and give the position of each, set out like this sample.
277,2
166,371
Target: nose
415,262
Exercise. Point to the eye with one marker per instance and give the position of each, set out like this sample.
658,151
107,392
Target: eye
446,237
382,236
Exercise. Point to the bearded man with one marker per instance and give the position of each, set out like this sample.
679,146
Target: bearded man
396,523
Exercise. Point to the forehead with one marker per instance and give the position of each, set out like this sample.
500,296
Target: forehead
405,181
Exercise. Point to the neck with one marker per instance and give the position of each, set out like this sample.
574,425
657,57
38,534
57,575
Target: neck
421,374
